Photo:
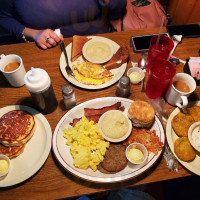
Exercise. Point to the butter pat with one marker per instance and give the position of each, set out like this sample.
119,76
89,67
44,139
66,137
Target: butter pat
135,76
135,155
3,166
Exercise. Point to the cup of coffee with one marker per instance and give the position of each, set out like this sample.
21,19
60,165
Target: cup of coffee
13,69
160,48
178,92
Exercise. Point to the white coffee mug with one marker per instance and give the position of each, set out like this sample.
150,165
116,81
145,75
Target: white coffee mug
15,77
177,98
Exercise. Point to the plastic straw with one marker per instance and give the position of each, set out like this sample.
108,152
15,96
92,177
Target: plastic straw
162,22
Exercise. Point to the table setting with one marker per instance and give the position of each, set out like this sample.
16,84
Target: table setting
61,154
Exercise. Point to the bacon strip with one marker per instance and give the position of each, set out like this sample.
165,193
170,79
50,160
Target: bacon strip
100,111
94,118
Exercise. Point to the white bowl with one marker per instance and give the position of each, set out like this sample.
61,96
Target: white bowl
142,148
4,157
194,131
112,112
99,50
136,69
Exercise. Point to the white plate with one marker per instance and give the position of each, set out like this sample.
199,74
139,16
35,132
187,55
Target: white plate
118,72
193,166
63,155
35,152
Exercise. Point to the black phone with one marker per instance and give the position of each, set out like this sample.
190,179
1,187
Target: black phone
187,30
141,43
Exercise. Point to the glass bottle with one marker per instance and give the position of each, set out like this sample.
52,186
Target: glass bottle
69,97
123,87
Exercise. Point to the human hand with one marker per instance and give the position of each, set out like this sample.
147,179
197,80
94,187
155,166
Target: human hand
47,38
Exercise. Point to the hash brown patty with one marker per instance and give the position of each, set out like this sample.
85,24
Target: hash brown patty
194,111
181,123
184,150
115,158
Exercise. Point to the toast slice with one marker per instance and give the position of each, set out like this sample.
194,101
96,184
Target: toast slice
77,45
120,57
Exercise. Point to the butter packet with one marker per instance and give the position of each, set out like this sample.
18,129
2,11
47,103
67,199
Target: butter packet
194,66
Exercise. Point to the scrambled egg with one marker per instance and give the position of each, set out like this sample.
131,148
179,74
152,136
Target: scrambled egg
87,144
91,74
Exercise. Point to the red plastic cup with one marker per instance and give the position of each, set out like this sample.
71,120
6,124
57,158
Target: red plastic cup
161,74
160,50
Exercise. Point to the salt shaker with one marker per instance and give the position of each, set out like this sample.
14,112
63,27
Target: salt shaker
68,96
39,85
123,87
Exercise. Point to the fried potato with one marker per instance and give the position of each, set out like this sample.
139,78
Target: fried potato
194,111
184,150
181,123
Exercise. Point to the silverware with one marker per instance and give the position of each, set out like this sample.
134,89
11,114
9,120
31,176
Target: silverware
142,65
67,68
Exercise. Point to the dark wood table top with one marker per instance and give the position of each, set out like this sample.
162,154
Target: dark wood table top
52,181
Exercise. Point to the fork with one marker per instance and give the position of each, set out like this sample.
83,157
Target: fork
67,68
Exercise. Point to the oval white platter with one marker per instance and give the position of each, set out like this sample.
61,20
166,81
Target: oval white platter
63,155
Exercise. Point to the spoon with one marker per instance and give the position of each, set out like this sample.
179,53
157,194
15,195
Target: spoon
142,65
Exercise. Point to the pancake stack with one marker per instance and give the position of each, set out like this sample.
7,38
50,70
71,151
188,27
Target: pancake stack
16,128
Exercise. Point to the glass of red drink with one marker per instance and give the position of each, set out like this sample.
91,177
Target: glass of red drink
160,48
161,74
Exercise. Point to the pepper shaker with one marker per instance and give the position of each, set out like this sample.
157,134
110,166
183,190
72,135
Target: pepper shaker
68,96
123,87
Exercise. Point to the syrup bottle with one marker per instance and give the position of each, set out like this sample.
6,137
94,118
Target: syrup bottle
38,83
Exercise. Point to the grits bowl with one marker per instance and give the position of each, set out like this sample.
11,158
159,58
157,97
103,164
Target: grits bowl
136,153
97,51
114,126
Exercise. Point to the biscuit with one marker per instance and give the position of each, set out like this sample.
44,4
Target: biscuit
142,114
194,111
184,150
181,123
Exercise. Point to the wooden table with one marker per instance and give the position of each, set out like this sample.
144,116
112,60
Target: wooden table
52,181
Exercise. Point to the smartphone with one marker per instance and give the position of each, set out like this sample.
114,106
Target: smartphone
187,30
141,43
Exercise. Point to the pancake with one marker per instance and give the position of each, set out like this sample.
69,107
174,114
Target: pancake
142,114
16,128
12,151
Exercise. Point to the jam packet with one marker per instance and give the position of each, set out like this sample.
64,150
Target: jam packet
194,66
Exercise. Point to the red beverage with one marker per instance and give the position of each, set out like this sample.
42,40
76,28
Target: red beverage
160,50
161,74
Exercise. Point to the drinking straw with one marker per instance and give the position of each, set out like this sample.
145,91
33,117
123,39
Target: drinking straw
162,22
